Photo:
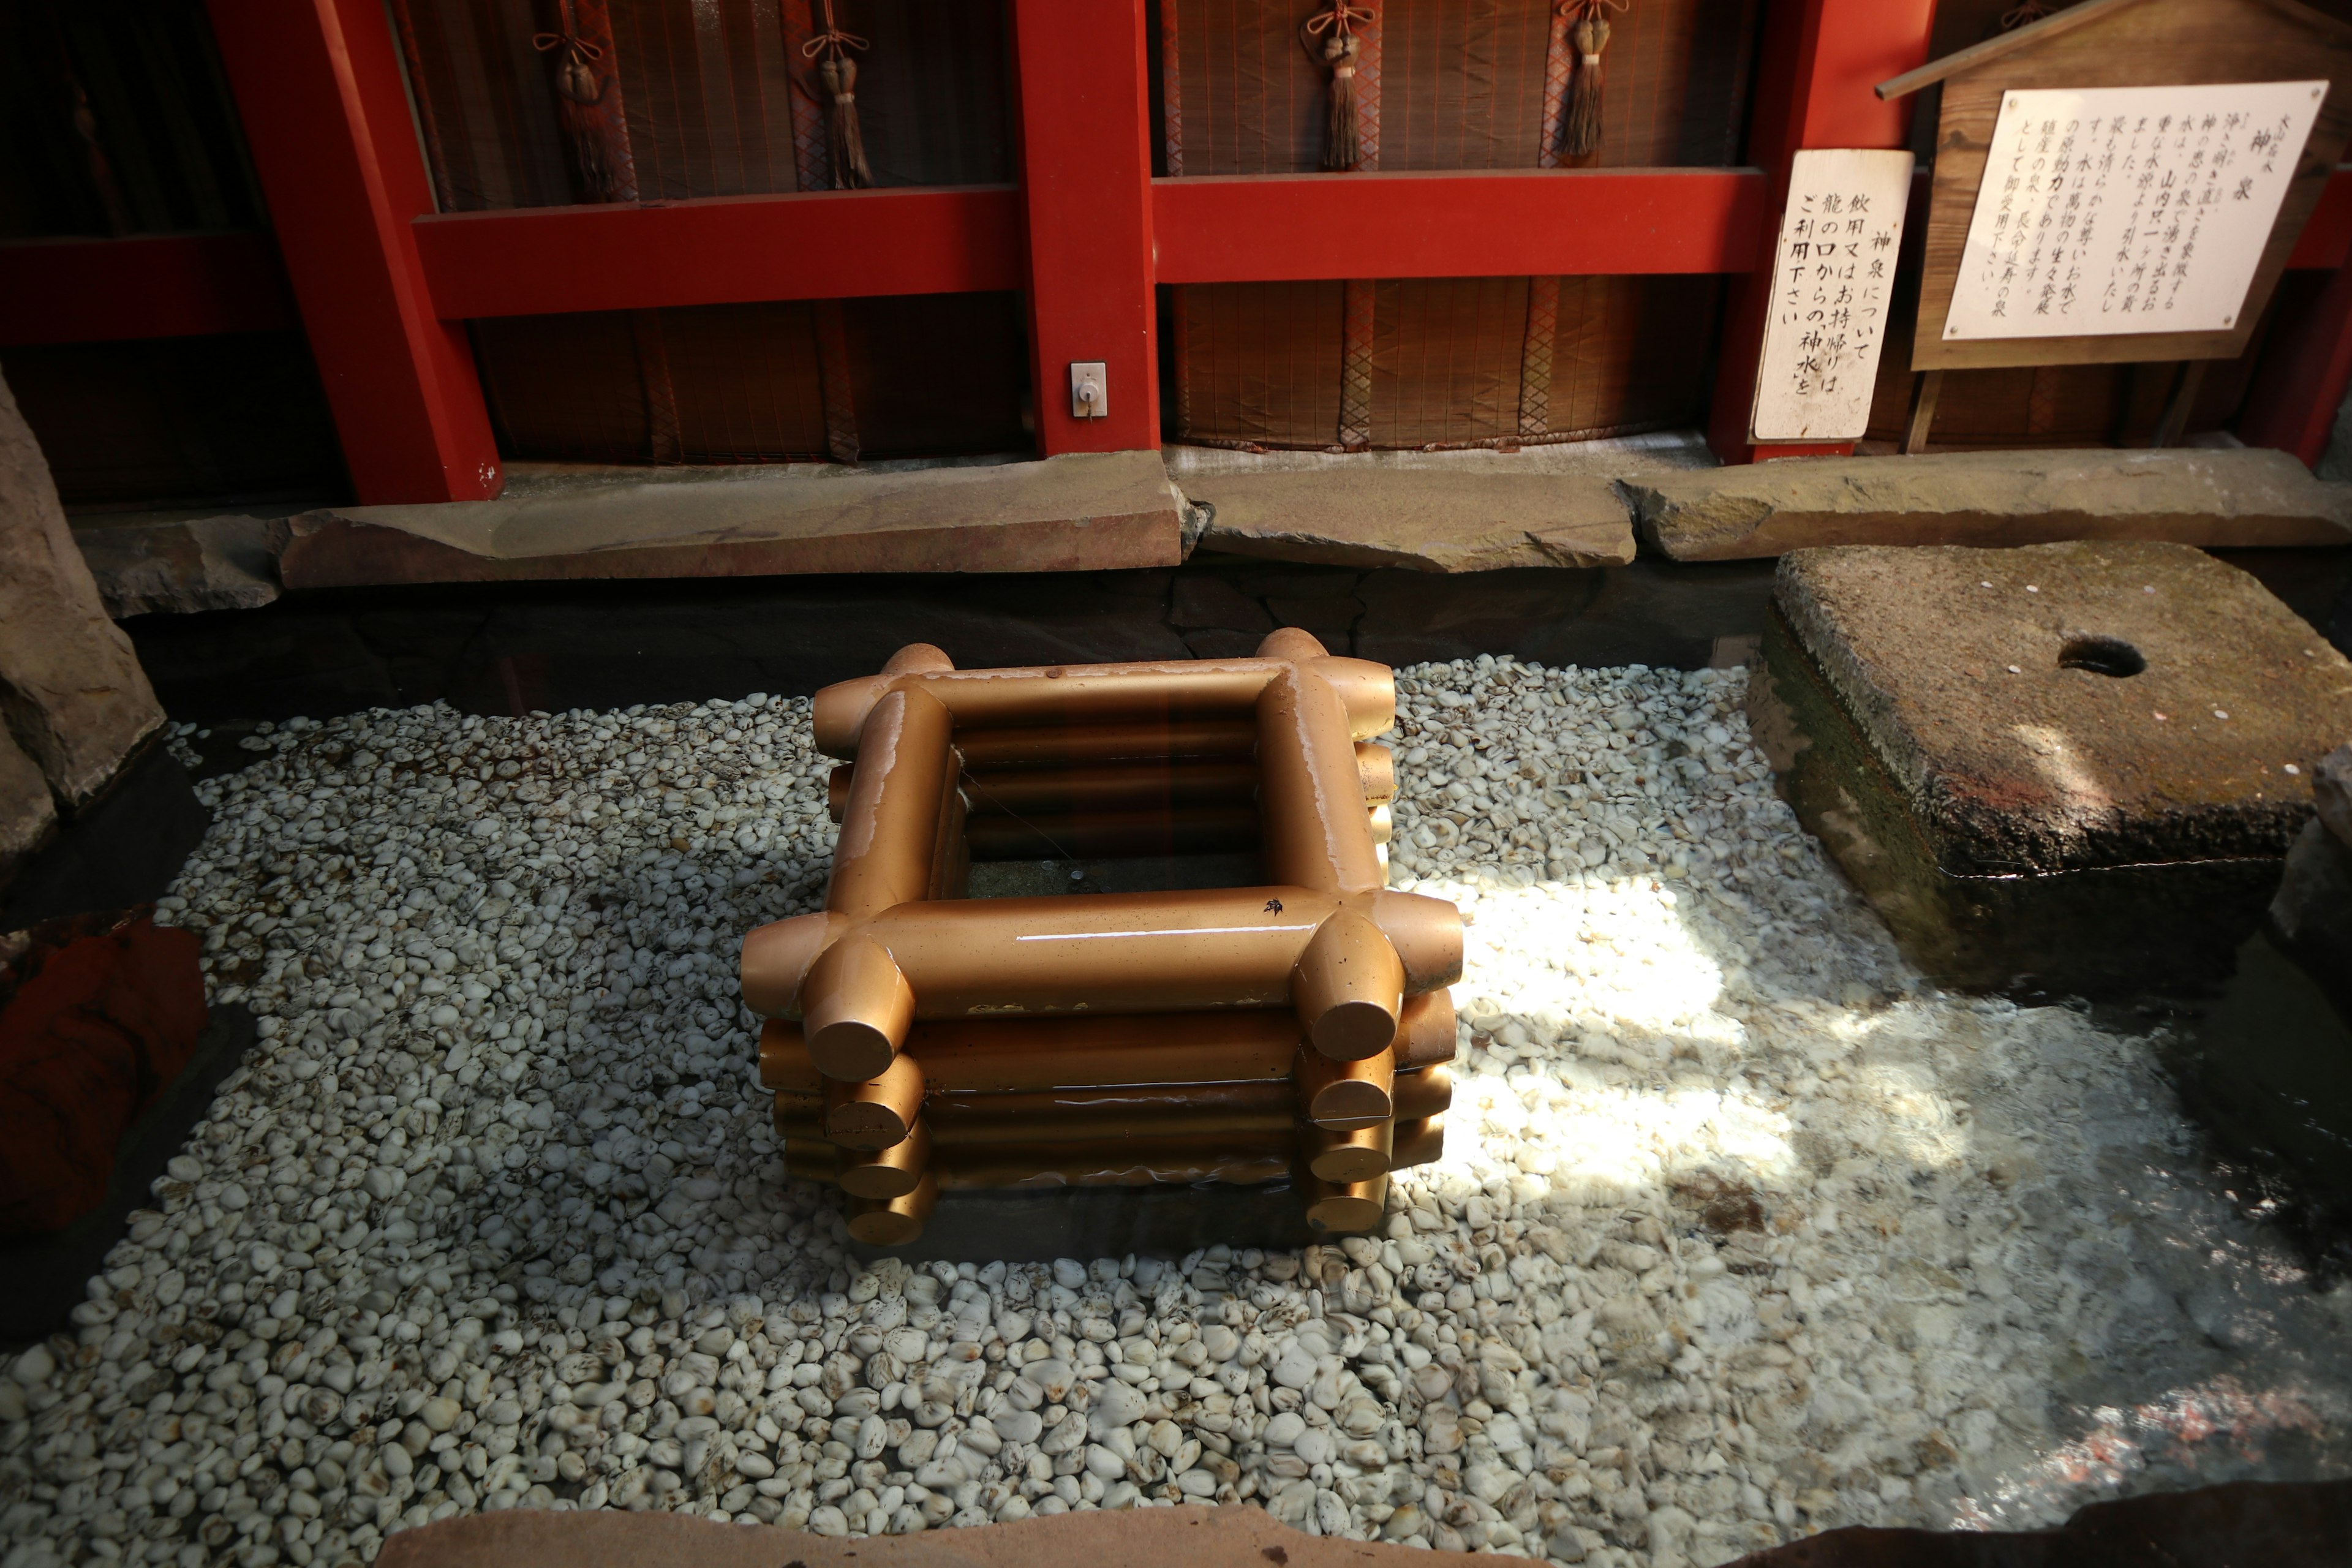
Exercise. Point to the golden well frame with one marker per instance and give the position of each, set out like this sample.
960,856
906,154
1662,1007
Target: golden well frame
920,1040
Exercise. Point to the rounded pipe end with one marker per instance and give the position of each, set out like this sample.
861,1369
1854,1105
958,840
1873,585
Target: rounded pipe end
1344,1159
852,1049
1350,1103
917,658
1426,933
1341,1210
1352,1031
878,1114
776,960
837,714
1349,988
1292,642
857,1007
893,1222
892,1173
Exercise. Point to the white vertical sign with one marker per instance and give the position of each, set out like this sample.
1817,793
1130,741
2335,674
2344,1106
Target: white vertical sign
1832,278
2128,209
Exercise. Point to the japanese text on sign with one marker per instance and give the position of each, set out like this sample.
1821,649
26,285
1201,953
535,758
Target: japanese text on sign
2128,209
1833,275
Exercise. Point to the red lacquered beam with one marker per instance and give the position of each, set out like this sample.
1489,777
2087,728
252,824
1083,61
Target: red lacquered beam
1249,227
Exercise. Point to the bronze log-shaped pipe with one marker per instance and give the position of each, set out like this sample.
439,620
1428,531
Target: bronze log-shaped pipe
1420,1142
1375,773
860,1006
1045,1116
1110,1052
1343,1095
877,1114
1110,693
1098,788
1187,830
1137,741
1119,1162
1123,952
1344,1208
1310,794
890,825
1349,988
892,1221
1342,1158
891,1173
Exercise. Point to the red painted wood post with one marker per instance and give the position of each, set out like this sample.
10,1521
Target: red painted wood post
1085,170
318,85
2302,377
1820,60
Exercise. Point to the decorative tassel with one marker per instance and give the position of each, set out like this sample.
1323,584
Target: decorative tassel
593,128
1342,148
1581,133
844,140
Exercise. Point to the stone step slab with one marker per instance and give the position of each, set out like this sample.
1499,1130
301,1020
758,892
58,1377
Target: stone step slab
2245,497
1424,521
1089,512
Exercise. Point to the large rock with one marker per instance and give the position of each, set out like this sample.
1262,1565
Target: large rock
29,815
1083,511
2311,916
1353,514
180,565
70,686
2190,496
2331,788
98,1015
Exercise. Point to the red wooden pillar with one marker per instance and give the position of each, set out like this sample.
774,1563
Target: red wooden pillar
317,84
1086,171
2303,373
1820,60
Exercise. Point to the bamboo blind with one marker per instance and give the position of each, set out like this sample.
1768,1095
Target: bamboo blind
762,383
1443,361
1448,84
714,94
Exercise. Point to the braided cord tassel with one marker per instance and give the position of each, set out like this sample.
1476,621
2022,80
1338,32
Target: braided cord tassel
1581,136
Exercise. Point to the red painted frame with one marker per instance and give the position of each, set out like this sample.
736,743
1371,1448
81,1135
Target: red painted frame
383,285
326,112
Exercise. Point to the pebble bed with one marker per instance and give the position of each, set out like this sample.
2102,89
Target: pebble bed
1743,1232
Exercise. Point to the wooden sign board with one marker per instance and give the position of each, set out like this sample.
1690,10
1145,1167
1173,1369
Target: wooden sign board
2105,44
1832,280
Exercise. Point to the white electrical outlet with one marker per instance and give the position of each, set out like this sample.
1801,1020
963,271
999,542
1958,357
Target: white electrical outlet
1090,393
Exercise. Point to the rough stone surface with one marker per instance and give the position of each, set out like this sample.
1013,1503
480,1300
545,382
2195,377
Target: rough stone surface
1949,662
2312,915
70,686
2242,497
176,566
2331,788
28,815
1085,511
1232,1536
1427,521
